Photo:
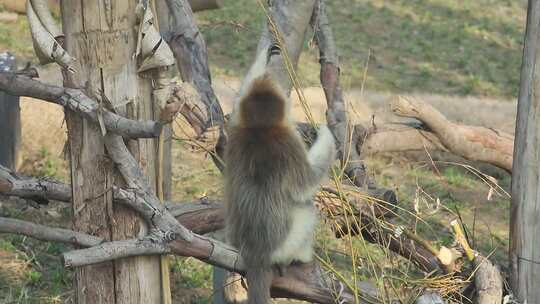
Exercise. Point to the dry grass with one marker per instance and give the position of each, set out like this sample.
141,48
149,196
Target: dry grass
14,269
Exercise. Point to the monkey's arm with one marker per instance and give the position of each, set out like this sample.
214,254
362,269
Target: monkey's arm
322,153
257,69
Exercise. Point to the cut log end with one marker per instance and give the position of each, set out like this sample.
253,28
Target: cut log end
5,186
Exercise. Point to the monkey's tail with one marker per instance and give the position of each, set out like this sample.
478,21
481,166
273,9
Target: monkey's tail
259,280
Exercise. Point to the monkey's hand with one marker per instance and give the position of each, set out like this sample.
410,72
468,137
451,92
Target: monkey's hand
323,152
280,269
323,131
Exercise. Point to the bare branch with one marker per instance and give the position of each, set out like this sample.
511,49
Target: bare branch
389,137
402,245
303,282
77,101
189,49
201,217
346,135
45,233
113,250
291,20
191,106
40,190
43,11
141,197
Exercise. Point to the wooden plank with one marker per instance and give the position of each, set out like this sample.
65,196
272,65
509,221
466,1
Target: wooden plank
163,146
525,211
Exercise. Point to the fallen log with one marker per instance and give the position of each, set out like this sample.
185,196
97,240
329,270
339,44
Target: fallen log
471,142
394,137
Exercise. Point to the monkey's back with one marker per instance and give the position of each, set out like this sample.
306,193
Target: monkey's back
265,169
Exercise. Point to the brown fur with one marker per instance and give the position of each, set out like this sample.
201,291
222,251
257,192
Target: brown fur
263,106
265,169
268,178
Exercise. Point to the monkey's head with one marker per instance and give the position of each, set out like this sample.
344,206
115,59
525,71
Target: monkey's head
264,105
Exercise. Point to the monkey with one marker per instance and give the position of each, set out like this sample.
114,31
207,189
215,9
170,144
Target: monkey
270,181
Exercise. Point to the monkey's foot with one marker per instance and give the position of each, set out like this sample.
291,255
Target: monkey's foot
281,269
299,262
234,290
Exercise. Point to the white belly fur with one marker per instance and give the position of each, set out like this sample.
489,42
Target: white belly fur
298,245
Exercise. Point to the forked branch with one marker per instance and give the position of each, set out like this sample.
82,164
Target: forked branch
345,133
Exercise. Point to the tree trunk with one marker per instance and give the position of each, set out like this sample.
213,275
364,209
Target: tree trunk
102,36
10,119
525,211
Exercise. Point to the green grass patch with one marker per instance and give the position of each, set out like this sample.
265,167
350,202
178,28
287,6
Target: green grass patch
457,177
15,37
438,46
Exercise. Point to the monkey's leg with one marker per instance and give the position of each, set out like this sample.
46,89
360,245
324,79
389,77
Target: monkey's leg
298,244
281,269
304,253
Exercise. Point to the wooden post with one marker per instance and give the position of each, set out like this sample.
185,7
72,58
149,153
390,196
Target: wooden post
102,36
10,119
162,15
525,211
